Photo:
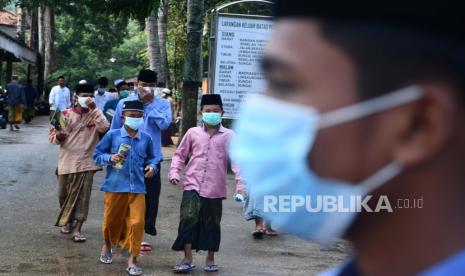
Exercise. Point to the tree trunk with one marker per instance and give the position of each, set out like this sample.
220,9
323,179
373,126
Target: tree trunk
162,34
49,25
40,27
20,23
153,45
192,72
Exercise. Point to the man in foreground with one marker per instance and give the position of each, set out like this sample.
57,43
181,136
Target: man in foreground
369,100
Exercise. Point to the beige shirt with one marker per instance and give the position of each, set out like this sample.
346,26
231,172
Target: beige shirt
77,149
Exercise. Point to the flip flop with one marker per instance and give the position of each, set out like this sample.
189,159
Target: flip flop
134,270
271,232
183,268
257,233
145,247
106,258
211,268
79,238
65,232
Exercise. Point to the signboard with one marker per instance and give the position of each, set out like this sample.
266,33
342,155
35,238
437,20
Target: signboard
240,41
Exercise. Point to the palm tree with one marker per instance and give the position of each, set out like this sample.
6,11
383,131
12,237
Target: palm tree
192,64
162,34
153,45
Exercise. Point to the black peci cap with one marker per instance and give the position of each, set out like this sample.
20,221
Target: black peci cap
84,88
133,106
211,99
147,76
445,18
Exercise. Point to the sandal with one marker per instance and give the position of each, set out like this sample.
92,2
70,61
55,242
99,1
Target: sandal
145,247
183,268
106,258
78,238
134,270
211,268
271,232
257,233
65,231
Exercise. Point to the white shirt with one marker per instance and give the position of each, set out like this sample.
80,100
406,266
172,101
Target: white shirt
101,100
59,97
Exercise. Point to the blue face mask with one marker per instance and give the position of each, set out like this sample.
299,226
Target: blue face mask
277,173
134,123
211,118
101,91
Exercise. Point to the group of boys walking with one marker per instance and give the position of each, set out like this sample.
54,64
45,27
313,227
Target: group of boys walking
131,153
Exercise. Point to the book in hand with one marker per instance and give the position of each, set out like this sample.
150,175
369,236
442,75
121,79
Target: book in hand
58,120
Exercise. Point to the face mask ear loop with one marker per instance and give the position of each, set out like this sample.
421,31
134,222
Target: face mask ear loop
369,107
381,177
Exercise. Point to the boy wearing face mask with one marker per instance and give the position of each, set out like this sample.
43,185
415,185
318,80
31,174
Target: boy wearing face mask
75,172
102,96
110,106
157,117
124,187
204,185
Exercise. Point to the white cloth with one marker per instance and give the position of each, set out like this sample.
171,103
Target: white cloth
59,97
101,100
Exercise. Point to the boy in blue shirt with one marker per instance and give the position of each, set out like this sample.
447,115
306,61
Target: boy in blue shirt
124,200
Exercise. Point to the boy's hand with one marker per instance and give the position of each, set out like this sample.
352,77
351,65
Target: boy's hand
149,172
243,193
61,136
174,181
91,103
115,158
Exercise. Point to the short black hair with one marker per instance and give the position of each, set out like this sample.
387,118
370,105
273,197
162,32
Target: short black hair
387,57
103,81
60,77
391,43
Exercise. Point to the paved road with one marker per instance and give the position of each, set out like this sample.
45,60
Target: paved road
31,245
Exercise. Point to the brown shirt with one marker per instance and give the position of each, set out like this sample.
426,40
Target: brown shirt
77,149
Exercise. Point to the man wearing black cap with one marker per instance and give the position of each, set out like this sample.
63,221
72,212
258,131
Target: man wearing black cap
77,136
157,117
102,96
369,99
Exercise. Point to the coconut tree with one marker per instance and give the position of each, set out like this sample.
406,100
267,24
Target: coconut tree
192,64
162,35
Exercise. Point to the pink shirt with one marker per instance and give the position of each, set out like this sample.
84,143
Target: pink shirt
207,167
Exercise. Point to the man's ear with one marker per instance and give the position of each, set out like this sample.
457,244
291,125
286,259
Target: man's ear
123,119
427,126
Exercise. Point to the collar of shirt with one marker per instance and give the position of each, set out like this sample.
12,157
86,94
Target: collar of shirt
220,129
124,133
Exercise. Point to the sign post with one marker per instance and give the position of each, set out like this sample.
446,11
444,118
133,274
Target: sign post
236,47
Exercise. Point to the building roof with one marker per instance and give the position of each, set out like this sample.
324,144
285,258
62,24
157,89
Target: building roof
7,18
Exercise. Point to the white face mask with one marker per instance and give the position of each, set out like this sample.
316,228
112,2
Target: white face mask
82,101
273,170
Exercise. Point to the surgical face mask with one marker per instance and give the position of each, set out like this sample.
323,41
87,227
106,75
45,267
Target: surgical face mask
82,101
101,91
211,118
149,89
134,123
272,141
124,94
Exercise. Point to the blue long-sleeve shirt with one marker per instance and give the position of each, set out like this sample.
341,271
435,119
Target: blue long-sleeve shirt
130,179
15,93
157,117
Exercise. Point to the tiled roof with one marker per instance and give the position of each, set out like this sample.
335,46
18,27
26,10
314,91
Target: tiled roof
7,17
